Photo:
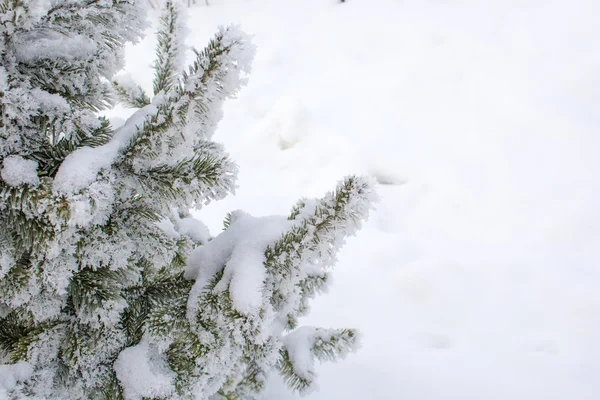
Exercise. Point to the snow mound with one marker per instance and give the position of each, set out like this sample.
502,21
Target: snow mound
288,122
387,177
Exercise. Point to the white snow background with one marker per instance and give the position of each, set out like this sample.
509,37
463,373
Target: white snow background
478,277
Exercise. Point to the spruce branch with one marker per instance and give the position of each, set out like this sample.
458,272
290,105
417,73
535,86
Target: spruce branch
320,226
227,221
18,331
15,282
310,286
90,289
208,80
79,351
168,51
331,345
12,330
294,380
27,212
205,174
130,94
158,306
324,345
142,144
50,156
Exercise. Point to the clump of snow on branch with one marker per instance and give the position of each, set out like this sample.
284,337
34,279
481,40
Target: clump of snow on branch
11,375
143,372
17,171
188,226
54,45
299,346
193,228
128,86
241,251
82,166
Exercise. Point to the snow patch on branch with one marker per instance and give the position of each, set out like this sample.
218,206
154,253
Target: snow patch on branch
194,229
307,344
12,374
299,346
17,171
130,87
144,373
81,167
54,46
240,251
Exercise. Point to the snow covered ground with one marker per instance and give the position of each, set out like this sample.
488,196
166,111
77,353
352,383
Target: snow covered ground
478,275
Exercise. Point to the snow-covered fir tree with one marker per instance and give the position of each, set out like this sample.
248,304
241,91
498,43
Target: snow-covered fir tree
108,288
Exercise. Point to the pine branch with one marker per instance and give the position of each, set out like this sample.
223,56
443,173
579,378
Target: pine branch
325,345
161,180
134,318
13,329
143,142
166,68
137,208
183,355
204,173
318,235
294,380
311,285
179,262
27,213
90,288
159,306
56,74
254,375
15,282
80,350
97,137
18,331
130,94
314,283
111,390
208,80
50,156
227,221
330,345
